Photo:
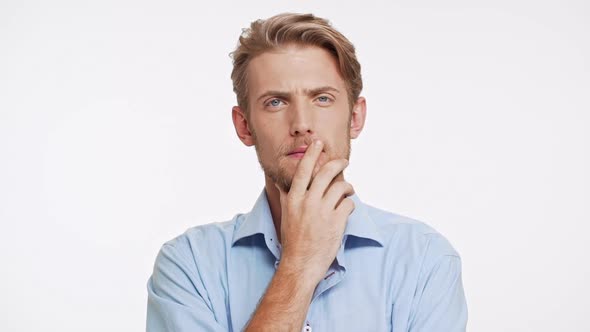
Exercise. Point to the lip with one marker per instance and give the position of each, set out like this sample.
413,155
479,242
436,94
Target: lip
300,149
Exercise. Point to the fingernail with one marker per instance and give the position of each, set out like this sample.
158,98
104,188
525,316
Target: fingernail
318,143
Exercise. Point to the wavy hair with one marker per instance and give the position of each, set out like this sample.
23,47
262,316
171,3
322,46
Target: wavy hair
299,29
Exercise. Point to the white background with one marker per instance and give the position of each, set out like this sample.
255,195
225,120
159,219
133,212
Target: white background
116,135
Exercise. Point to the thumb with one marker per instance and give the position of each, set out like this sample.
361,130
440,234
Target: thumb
282,194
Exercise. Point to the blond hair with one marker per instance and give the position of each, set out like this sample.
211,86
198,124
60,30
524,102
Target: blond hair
300,29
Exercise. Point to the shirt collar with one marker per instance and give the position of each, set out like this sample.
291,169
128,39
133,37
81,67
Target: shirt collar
360,224
259,221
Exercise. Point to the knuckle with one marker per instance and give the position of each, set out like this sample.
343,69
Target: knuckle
332,166
348,186
341,186
341,164
292,200
344,186
310,203
335,188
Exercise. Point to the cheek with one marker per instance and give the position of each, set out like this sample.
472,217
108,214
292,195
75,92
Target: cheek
337,138
335,124
270,145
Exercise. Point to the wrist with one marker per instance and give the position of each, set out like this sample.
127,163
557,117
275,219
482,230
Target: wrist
300,272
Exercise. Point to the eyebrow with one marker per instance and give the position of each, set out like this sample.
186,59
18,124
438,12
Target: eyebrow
309,92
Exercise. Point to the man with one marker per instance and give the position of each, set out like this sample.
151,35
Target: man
310,255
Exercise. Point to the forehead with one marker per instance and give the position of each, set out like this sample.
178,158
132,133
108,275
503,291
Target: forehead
293,69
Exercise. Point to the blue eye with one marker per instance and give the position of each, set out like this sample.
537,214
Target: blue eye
275,103
323,99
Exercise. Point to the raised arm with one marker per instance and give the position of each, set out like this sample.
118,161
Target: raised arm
312,226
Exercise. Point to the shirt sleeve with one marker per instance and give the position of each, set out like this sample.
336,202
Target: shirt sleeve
177,298
439,304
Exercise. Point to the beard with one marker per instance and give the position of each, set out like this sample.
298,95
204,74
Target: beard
282,174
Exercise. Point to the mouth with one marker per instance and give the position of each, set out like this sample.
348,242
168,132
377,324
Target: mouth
298,152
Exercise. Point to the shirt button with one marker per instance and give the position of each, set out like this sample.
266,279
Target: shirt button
277,264
307,328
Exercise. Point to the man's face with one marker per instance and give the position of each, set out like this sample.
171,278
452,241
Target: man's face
296,95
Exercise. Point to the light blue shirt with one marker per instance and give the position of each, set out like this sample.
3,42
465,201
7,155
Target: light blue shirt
392,273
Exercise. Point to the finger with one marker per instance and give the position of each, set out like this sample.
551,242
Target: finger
305,168
327,174
345,208
282,195
337,192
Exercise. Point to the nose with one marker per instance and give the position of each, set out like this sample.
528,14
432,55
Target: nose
301,120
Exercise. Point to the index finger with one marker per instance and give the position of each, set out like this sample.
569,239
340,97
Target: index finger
304,171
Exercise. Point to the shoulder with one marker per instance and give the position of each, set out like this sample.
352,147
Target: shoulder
411,235
210,232
203,243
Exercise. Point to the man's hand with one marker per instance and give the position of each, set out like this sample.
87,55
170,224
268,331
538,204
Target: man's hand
312,226
313,221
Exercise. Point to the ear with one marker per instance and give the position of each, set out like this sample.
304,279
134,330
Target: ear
358,116
241,125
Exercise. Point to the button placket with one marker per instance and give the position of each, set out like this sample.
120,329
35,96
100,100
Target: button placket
275,248
330,280
307,328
